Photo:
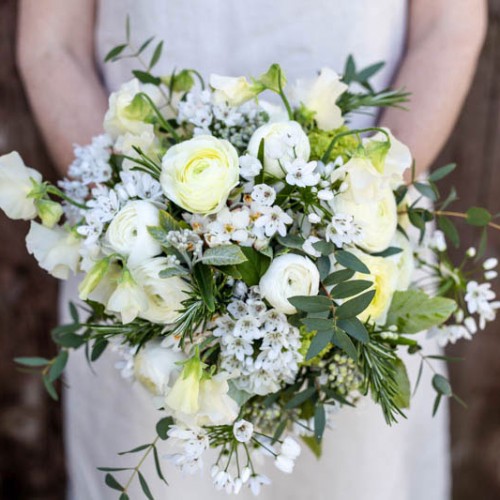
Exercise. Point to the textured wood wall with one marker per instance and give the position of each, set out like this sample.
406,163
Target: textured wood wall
31,454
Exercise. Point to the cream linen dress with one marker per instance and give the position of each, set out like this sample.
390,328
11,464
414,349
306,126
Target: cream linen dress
363,458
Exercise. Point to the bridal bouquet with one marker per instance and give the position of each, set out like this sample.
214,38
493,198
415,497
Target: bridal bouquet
256,266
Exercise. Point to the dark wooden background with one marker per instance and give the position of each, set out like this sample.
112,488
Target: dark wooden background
31,453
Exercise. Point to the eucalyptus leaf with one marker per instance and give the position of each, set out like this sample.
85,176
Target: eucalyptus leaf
145,77
342,341
144,486
350,261
291,241
33,361
58,365
350,288
301,397
442,172
354,328
321,340
319,422
338,277
477,216
112,482
223,255
315,303
441,385
354,306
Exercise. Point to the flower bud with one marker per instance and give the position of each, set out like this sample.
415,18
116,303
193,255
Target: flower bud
50,212
93,278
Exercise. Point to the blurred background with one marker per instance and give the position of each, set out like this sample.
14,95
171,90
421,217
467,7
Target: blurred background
31,456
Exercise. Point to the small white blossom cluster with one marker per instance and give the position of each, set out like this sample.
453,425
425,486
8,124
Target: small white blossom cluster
106,202
251,328
188,446
235,124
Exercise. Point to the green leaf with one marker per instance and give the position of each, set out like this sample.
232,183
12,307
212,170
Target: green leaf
113,469
321,340
156,55
350,261
144,486
449,199
324,247
366,73
323,264
145,77
135,450
169,223
441,385
34,361
402,398
230,271
69,340
354,328
442,172
350,288
315,324
254,267
338,277
58,366
158,466
291,241
342,341
124,496
223,255
279,430
449,229
170,272
311,304
301,397
143,47
413,311
426,190
114,52
319,422
73,312
98,348
388,252
49,387
313,445
203,276
436,404
355,306
112,482
163,426
477,216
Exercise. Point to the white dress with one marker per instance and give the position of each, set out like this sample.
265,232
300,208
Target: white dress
363,458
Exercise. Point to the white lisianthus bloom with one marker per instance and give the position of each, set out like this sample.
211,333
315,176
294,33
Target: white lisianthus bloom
233,90
287,276
156,366
128,299
397,160
15,185
371,204
282,141
128,232
384,274
404,261
199,174
56,250
320,95
128,115
165,295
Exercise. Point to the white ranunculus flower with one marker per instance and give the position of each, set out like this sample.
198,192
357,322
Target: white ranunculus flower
397,160
146,141
384,274
128,232
128,299
233,90
126,115
15,185
370,202
282,141
56,250
155,367
287,276
165,295
404,261
199,174
320,95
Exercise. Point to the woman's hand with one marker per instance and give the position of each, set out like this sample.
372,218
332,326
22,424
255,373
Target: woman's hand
444,42
56,60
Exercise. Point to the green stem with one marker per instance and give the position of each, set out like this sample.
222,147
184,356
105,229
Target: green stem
284,98
57,192
162,120
138,466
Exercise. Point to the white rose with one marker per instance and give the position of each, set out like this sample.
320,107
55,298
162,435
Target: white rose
199,174
15,185
128,299
156,366
287,276
126,115
233,90
165,295
128,232
370,202
56,250
320,95
384,274
404,261
397,160
282,141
